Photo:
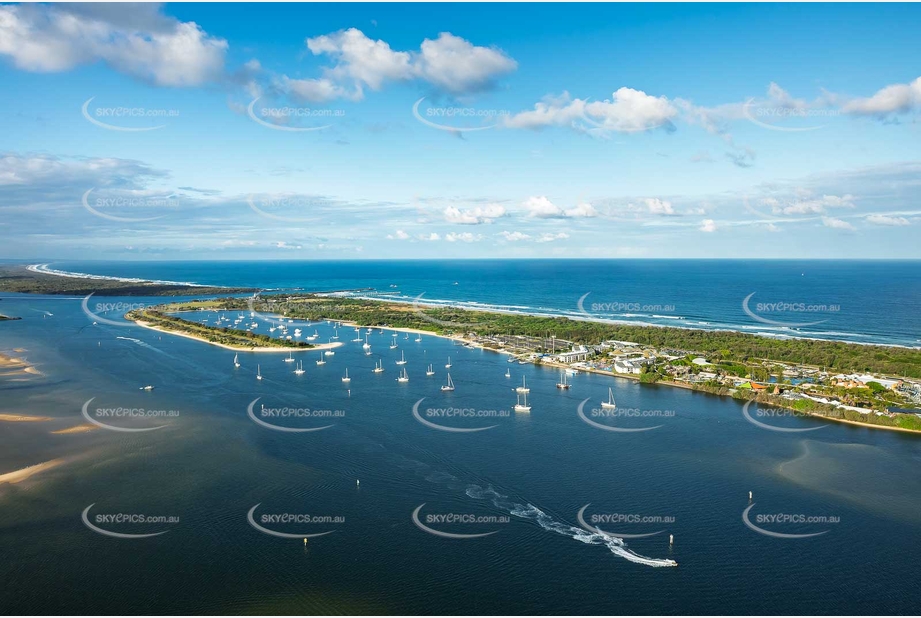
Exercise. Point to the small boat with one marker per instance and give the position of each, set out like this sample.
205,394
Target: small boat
393,344
522,406
430,371
449,386
402,360
146,388
403,376
418,339
610,402
236,360
563,384
322,360
335,335
366,345
448,365
379,367
330,352
523,388
290,358
258,372
346,377
508,373
369,330
300,368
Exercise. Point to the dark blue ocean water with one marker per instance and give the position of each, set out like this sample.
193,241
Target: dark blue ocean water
531,473
862,301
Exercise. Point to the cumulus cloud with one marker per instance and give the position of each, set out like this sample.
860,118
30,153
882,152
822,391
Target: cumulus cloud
836,224
549,237
891,100
707,225
137,40
462,237
658,207
515,236
474,216
628,110
398,235
449,63
542,208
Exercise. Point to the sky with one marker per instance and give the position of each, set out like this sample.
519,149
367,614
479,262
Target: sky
378,131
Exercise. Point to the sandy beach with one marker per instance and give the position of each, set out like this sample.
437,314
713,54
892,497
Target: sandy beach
85,427
285,350
22,474
23,418
11,366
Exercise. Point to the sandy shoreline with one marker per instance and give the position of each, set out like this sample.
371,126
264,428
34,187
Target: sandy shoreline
85,427
315,348
23,418
22,474
10,365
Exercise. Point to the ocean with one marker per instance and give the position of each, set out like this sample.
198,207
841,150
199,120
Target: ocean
857,301
421,501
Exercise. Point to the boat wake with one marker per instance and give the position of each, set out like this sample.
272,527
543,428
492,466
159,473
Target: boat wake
529,511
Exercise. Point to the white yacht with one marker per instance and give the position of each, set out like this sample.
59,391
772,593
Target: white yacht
290,358
403,376
523,388
563,384
402,360
449,386
393,344
522,406
379,367
508,373
236,360
610,402
430,371
448,364
346,377
300,368
258,372
322,360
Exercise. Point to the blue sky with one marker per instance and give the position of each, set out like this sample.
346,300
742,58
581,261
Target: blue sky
451,130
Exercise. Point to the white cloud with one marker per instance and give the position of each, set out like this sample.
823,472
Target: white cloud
398,235
455,65
135,39
894,99
449,63
628,110
548,237
805,204
659,207
887,220
432,236
462,237
542,208
836,224
474,216
515,236
707,225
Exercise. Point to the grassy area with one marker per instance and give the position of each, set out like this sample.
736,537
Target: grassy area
21,280
734,348
242,339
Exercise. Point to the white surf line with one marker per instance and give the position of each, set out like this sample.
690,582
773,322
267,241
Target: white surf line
45,270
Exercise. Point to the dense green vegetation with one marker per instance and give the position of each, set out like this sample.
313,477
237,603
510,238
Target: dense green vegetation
224,336
738,348
20,279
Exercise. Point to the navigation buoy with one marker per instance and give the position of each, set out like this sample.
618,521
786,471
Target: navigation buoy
305,541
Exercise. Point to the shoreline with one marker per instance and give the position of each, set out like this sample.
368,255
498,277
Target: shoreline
315,348
17,476
465,306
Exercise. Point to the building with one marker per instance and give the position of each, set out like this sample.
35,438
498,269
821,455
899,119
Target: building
578,353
